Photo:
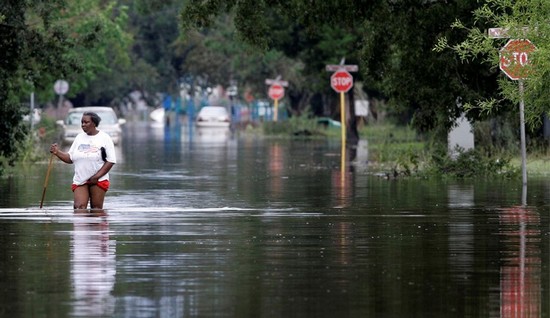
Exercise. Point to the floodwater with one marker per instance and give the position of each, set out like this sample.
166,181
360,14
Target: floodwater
211,224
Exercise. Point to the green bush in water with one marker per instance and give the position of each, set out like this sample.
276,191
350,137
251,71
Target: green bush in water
295,126
469,164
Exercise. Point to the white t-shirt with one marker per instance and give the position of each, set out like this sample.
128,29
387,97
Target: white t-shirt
85,152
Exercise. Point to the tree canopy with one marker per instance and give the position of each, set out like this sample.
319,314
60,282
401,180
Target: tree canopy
392,41
426,59
526,19
43,41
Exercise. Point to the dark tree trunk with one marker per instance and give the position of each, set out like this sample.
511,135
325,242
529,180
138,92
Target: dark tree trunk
352,135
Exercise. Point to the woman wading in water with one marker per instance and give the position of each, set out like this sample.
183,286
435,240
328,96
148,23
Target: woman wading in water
93,156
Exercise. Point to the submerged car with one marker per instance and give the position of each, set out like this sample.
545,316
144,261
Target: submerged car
109,123
328,122
213,116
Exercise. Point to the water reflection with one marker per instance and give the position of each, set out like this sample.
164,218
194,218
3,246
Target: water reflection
520,272
241,226
275,167
341,183
212,135
461,229
92,265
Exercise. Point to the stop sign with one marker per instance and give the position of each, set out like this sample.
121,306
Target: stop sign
341,81
276,91
514,58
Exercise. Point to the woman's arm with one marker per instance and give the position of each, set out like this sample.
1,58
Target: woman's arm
103,171
63,156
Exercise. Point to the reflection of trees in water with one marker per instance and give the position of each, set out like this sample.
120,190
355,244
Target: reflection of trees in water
92,266
520,272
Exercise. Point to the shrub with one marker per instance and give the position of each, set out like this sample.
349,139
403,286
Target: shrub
469,164
295,126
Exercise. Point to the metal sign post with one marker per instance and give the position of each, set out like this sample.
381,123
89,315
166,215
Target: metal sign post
61,87
342,81
515,63
523,146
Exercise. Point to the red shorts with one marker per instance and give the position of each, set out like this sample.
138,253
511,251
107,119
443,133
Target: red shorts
102,184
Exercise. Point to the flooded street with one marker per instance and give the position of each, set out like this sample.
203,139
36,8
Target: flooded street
204,223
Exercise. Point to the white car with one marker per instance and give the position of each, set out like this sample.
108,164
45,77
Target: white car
213,116
109,123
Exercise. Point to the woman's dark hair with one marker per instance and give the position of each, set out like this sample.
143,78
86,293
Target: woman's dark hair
95,117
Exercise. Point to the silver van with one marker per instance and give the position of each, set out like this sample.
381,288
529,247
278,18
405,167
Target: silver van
110,123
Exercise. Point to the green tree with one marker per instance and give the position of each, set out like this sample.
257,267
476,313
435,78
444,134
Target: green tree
522,19
29,52
154,25
101,48
276,32
42,41
391,41
214,57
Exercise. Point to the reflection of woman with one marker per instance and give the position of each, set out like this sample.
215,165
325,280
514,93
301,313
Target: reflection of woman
93,155
93,265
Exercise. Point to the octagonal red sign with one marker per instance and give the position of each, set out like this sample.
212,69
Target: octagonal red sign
341,81
276,91
515,59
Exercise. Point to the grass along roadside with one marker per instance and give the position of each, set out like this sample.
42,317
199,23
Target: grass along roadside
536,165
400,151
393,149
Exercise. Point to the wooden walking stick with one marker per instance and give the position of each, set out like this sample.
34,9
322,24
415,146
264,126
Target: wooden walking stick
46,180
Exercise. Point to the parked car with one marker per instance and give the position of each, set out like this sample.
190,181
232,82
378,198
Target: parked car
109,123
328,122
213,116
157,115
